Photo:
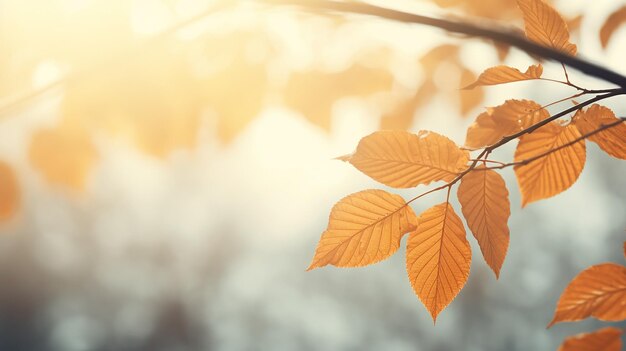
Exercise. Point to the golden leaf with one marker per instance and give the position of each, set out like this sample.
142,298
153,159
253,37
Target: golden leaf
469,99
438,258
364,228
606,339
403,160
63,155
9,192
554,173
598,291
612,140
545,26
614,21
506,119
505,74
485,205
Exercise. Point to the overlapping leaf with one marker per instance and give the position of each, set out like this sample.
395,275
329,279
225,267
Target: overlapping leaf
500,121
606,339
485,205
612,23
545,26
556,171
598,291
612,140
9,192
505,74
364,228
438,257
402,160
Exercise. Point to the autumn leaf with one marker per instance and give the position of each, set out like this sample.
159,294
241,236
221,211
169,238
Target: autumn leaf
612,140
614,21
63,155
469,99
9,192
438,258
545,26
606,339
598,291
503,120
557,171
403,160
505,74
485,205
364,228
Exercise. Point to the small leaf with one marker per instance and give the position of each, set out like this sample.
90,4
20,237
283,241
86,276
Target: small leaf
403,160
606,339
438,258
505,74
545,26
557,171
364,228
485,205
614,21
500,121
598,291
9,192
612,140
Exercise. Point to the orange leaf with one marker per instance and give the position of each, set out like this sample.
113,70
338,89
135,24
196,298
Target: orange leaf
500,121
485,204
612,140
403,160
614,21
545,26
555,172
438,257
9,192
598,291
469,99
606,339
505,74
364,228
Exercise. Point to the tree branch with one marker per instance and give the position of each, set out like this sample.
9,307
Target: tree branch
502,34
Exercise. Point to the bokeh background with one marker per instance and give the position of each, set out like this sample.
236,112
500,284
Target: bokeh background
167,171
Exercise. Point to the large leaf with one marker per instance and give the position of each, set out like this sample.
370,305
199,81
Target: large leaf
612,23
438,258
505,74
598,291
606,339
485,204
555,172
403,160
503,120
545,26
612,140
364,228
9,192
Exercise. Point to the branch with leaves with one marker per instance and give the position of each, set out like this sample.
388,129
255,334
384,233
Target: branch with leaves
367,227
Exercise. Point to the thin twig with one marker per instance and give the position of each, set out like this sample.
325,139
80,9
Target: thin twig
502,34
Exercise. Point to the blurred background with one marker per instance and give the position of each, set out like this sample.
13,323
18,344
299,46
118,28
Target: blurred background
166,172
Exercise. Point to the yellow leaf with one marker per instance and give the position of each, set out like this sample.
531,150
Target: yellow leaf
403,160
505,74
606,339
485,204
612,140
9,192
63,155
598,291
438,258
614,21
364,228
545,26
557,171
506,119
